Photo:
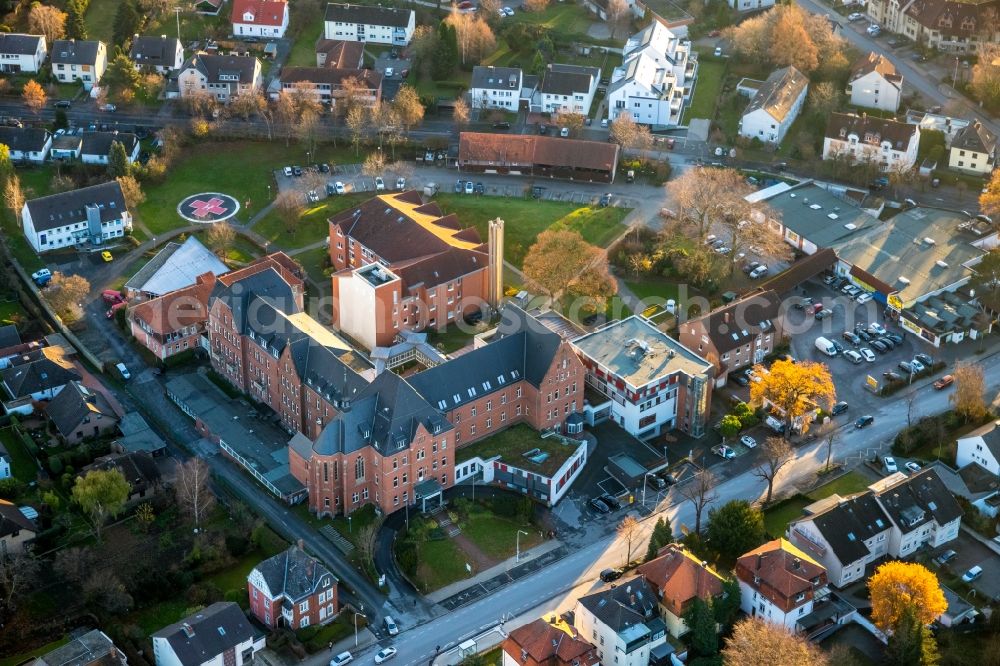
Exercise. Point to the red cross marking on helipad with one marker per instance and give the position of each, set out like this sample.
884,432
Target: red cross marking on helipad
203,208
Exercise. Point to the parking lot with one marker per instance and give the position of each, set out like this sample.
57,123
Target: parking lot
391,82
971,552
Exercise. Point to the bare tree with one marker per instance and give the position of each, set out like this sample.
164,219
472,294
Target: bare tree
831,438
13,196
17,572
47,20
700,491
628,529
775,454
460,114
220,237
617,16
192,489
374,164
629,134
74,564
289,206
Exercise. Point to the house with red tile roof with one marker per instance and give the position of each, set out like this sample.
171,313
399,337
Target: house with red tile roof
780,583
679,578
551,157
260,18
553,643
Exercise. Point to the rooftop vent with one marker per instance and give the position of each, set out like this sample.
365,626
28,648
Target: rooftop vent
941,264
929,240
815,206
904,280
850,226
833,216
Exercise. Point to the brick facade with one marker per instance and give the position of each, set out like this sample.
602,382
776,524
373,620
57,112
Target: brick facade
293,590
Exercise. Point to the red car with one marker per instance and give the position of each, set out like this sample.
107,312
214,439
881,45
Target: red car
111,296
115,308
944,382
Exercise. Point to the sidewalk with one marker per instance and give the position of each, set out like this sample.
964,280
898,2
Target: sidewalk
456,588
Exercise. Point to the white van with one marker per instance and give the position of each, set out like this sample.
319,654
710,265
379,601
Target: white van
826,346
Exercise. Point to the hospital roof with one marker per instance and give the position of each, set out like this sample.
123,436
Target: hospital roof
175,267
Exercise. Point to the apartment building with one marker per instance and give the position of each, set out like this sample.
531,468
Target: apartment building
622,621
21,53
367,23
157,54
888,144
568,88
496,88
946,25
221,77
775,106
89,215
678,577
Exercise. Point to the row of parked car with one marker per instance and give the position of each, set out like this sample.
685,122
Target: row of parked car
848,288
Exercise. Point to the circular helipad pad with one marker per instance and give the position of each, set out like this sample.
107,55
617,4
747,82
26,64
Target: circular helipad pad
208,207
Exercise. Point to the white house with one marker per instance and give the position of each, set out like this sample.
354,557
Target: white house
220,76
40,374
974,149
21,53
96,146
655,79
5,472
981,447
775,106
496,88
889,144
779,583
921,508
220,635
79,60
874,83
260,18
622,622
366,23
569,88
26,144
160,54
92,215
750,5
644,380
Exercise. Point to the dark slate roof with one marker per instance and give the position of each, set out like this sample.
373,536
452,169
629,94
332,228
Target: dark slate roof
213,65
990,434
154,51
914,501
778,93
632,601
12,520
74,404
260,293
213,630
495,78
294,574
99,143
385,415
74,52
737,323
368,15
841,125
19,43
9,336
138,468
58,210
93,648
522,349
975,137
568,79
24,139
850,523
327,371
45,370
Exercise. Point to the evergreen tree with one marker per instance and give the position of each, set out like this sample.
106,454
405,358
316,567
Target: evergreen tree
76,28
662,535
121,72
911,643
118,162
446,53
128,22
704,641
726,607
61,121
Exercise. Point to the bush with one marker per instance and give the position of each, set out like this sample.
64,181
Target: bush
237,544
406,556
55,465
10,488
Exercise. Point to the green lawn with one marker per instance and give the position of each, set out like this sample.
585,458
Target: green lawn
526,218
451,339
511,445
562,18
777,517
848,484
313,226
303,53
492,657
441,563
10,309
711,73
497,537
154,618
100,21
22,465
653,289
193,25
14,660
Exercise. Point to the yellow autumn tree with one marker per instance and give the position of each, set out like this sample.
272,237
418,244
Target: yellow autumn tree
898,586
989,200
795,389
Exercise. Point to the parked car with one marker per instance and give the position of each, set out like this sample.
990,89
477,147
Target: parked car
63,104
342,659
906,367
123,371
564,132
400,183
470,187
598,505
655,482
379,184
748,441
324,168
824,313
501,126
863,297
611,502
886,341
877,329
917,366
864,421
972,574
339,188
898,339
111,296
723,451
855,16
287,171
106,256
480,188
42,277
852,338
889,464
385,654
758,272
864,335
867,354
459,186
297,171
912,466
924,359
605,200
109,108
944,382
945,557
839,408
891,376
390,625
740,379
879,346
611,575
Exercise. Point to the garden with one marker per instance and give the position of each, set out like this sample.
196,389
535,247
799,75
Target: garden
778,515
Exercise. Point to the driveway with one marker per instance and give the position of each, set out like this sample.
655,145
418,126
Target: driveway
391,84
972,553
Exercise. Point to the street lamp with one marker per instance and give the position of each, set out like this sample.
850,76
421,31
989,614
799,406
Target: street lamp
356,614
517,545
349,525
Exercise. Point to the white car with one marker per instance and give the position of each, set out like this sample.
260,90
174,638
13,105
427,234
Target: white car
864,297
342,659
855,16
400,183
913,466
890,465
123,371
470,187
874,30
379,184
604,123
723,451
868,354
339,188
564,132
385,654
508,11
758,272
390,625
389,72
748,441
917,366
287,171
877,329
853,356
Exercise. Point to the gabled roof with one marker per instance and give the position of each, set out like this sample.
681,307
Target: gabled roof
176,267
294,574
549,151
496,78
12,520
9,337
154,51
214,66
553,644
976,138
990,434
341,54
779,93
75,403
58,210
138,468
261,12
19,44
177,309
38,371
24,139
875,62
75,51
680,577
208,633
870,130
630,603
849,523
569,79
954,17
368,15
739,322
914,501
779,571
99,143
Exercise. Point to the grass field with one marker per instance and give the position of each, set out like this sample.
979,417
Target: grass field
711,73
562,18
14,660
525,219
497,537
100,20
10,309
21,464
441,563
777,517
313,226
303,53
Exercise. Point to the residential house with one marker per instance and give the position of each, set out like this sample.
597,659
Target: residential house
400,264
779,583
958,611
974,149
327,85
137,436
655,79
340,54
644,380
569,88
40,374
678,578
888,144
981,447
92,215
293,590
26,144
946,25
622,622
156,54
79,60
367,23
93,648
96,146
219,635
540,156
921,508
874,83
547,643
21,53
16,530
78,413
139,469
750,5
736,335
5,461
220,76
66,146
775,106
260,18
495,88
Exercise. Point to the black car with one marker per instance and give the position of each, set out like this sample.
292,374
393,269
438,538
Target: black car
839,408
740,379
836,345
891,376
63,104
864,335
537,192
924,359
480,188
879,346
887,342
543,129
609,575
297,170
852,338
324,168
898,339
905,367
599,506
394,54
610,501
501,126
864,422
